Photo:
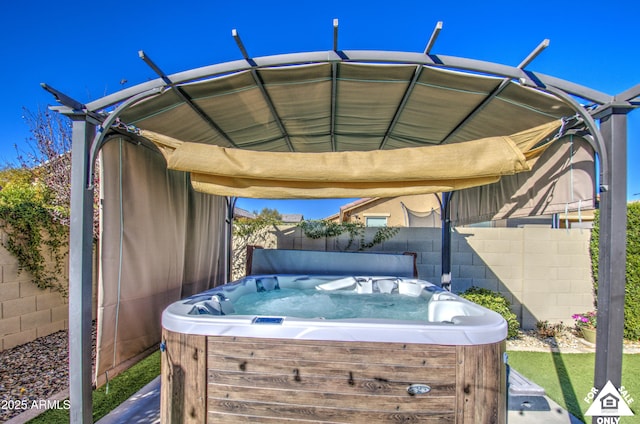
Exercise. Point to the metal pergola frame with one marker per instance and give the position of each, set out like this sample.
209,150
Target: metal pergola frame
92,122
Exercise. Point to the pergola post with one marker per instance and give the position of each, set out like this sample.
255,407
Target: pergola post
612,265
228,238
445,216
80,272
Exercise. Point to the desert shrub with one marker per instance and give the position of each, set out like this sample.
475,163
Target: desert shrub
497,303
547,329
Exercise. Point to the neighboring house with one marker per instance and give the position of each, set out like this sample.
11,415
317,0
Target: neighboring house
421,210
287,218
242,213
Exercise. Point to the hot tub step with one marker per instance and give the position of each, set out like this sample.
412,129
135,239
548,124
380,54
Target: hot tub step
528,403
519,385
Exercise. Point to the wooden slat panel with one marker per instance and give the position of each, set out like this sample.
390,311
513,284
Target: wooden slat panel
258,410
397,400
347,383
256,380
309,369
350,346
184,383
386,353
224,418
481,382
409,347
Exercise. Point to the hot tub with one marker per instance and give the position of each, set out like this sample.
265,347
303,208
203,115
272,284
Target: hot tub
440,360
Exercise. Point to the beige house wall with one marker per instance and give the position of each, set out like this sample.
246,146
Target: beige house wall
546,273
26,311
391,208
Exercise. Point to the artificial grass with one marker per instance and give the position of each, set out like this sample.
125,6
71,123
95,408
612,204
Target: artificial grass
121,388
568,377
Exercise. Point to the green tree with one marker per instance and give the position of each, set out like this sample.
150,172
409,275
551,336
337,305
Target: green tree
269,215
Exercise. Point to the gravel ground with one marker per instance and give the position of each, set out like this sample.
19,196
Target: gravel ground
37,370
32,372
565,341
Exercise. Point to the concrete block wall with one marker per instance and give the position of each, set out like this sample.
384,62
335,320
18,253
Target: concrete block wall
546,273
26,311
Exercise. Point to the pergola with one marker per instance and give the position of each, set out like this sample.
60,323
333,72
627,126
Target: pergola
331,111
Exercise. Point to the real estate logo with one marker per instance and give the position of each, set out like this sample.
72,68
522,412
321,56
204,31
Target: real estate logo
609,404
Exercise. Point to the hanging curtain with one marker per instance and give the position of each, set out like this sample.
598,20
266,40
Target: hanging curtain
160,241
563,179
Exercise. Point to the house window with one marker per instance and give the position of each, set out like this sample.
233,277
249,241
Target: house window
376,221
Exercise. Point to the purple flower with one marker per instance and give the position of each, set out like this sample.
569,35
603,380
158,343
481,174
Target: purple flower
587,319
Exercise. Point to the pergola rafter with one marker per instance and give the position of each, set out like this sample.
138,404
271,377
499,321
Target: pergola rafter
401,106
260,84
185,98
360,56
411,86
505,82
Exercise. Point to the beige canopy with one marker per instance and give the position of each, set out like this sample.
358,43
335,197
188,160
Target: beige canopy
383,130
380,173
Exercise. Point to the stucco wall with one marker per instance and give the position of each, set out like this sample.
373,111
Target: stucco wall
545,272
391,208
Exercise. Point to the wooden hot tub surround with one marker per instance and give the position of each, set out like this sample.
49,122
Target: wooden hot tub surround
230,379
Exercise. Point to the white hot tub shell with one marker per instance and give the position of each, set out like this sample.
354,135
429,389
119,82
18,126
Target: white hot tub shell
219,366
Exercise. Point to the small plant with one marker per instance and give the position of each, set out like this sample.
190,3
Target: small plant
497,303
316,229
586,320
546,329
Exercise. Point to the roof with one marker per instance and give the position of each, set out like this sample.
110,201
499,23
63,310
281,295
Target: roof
243,213
345,101
349,206
292,217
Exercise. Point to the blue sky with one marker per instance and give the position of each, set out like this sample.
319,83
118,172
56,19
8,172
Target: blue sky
85,49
